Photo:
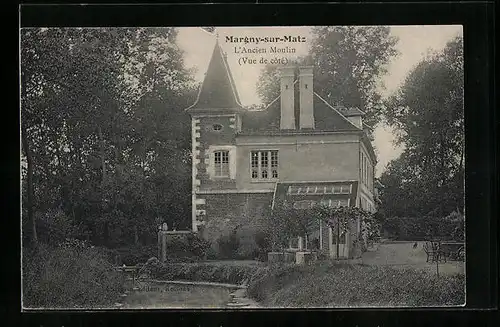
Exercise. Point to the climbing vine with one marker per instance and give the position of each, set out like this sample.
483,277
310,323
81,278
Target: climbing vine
288,222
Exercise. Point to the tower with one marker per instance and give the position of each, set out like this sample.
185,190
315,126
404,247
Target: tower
215,120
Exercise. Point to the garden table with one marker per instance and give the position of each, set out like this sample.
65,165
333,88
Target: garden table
453,250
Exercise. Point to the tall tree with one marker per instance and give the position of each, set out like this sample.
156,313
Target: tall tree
102,120
427,114
348,63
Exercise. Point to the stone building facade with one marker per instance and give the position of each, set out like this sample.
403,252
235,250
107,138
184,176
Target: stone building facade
299,148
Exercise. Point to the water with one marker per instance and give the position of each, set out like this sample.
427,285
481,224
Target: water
150,295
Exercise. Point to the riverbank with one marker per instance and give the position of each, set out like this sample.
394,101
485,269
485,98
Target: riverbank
343,285
386,276
158,294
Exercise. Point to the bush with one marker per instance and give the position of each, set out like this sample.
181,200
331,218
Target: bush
228,245
263,242
133,255
68,276
55,226
188,248
420,228
329,284
208,272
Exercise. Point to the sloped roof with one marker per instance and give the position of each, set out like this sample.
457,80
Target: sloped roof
326,118
281,193
218,90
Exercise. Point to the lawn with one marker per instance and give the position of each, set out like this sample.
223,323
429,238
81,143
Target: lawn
330,284
402,255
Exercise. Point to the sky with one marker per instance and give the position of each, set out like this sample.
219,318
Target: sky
414,43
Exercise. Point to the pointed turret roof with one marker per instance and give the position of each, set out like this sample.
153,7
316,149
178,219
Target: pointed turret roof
218,90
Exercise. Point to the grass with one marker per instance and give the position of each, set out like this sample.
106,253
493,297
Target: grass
329,284
62,277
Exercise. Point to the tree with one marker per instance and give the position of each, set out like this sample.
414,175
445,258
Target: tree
104,135
427,113
288,222
348,63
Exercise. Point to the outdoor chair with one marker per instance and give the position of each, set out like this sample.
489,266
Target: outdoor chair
434,252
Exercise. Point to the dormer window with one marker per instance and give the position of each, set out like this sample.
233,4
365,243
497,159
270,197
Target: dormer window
217,127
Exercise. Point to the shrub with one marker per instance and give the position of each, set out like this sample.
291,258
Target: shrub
263,242
209,272
419,228
198,246
228,245
187,248
132,255
68,276
55,226
341,284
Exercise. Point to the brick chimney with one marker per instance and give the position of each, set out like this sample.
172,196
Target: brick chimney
306,117
287,98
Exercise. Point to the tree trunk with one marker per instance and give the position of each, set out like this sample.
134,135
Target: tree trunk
136,235
103,164
29,204
338,237
103,179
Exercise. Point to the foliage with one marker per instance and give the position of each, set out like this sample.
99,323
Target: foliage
191,247
263,242
427,114
54,227
427,227
70,276
228,245
288,222
327,284
348,63
105,139
133,254
199,247
226,272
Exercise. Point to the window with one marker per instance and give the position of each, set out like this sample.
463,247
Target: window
304,204
217,127
335,203
274,164
332,203
221,163
264,164
320,189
